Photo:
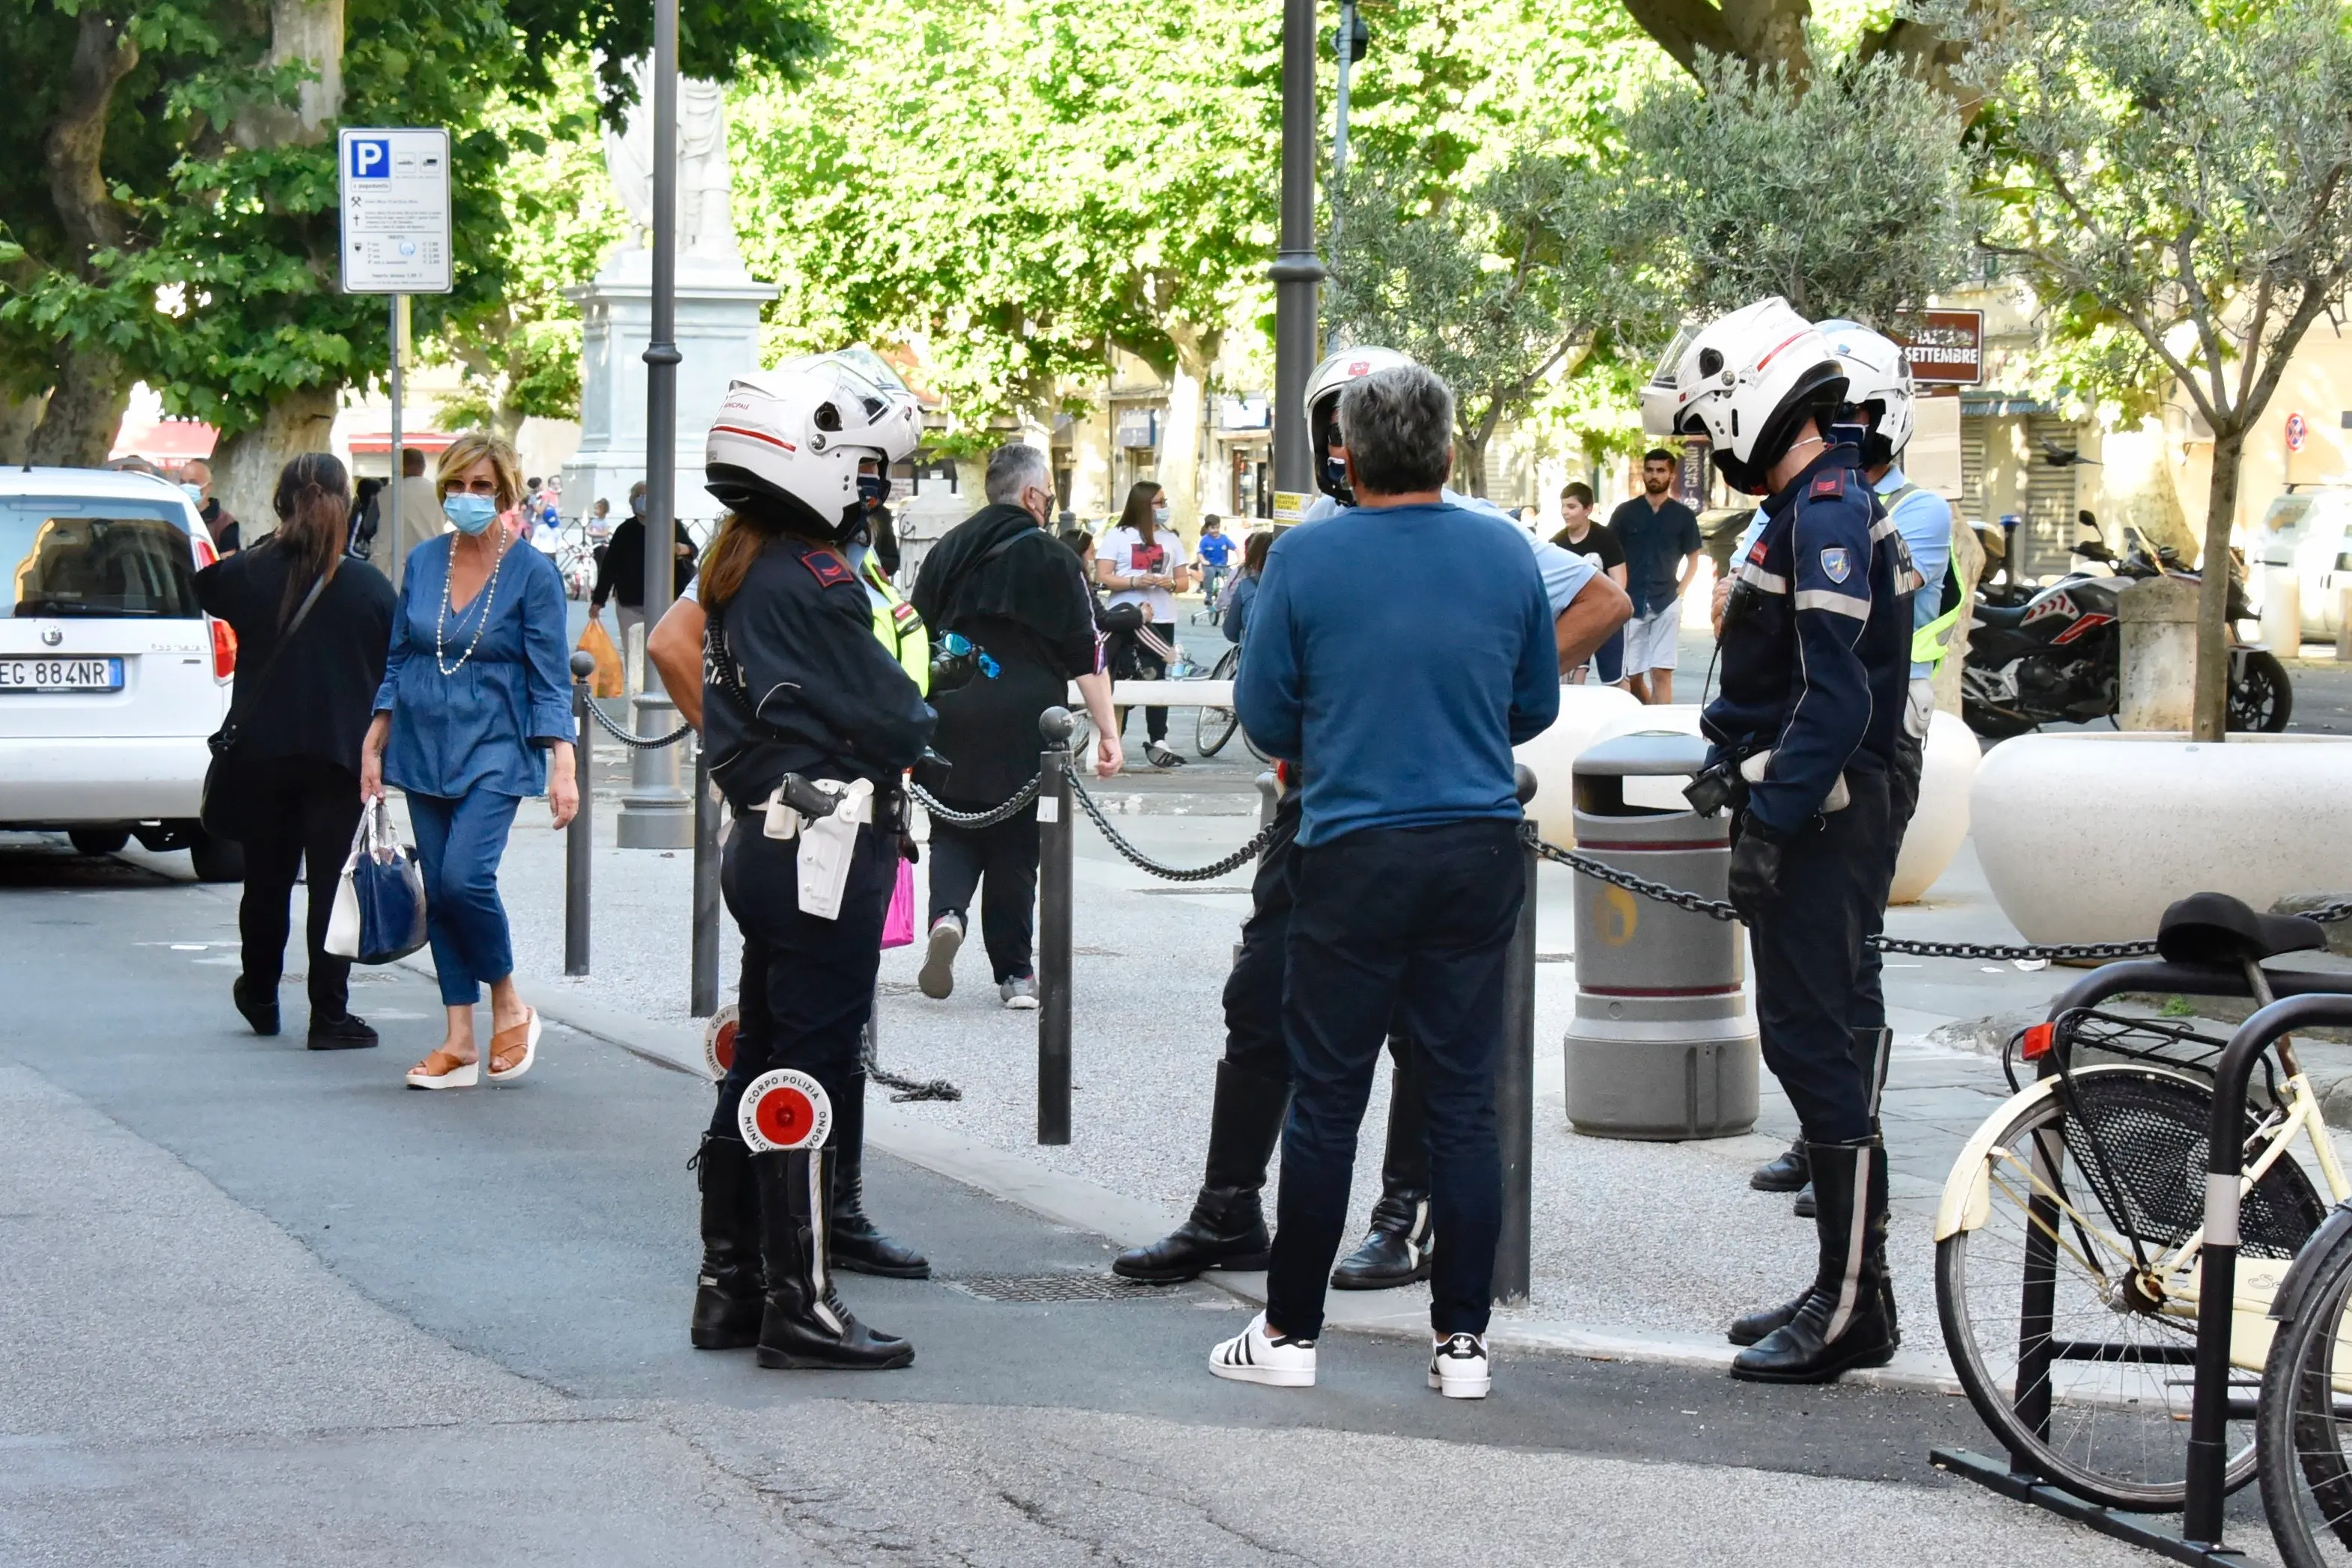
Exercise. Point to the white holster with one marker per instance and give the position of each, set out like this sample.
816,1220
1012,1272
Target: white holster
828,843
1839,797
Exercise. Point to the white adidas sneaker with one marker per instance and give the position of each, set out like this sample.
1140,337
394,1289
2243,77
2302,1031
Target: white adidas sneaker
1458,1367
1251,1357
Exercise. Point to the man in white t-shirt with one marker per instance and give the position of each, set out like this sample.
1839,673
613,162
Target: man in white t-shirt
1147,574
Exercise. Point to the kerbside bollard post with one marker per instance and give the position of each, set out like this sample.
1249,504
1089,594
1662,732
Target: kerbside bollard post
704,1001
579,840
1269,796
1515,1085
1053,847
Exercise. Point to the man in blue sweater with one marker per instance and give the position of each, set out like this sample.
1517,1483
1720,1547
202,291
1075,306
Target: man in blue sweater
1403,710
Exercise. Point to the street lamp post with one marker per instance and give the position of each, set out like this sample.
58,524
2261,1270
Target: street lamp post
1296,269
654,813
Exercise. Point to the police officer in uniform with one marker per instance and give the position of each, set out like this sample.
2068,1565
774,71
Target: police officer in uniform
811,720
1815,662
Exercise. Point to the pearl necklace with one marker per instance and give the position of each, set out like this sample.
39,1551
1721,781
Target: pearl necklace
487,596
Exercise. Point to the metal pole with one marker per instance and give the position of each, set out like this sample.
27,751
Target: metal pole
706,826
656,813
1296,270
580,838
1343,44
1053,833
399,343
1514,1086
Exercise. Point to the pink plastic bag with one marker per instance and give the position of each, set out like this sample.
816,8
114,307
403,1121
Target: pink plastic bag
898,924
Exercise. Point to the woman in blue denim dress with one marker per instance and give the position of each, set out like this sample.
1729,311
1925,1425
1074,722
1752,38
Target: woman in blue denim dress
475,712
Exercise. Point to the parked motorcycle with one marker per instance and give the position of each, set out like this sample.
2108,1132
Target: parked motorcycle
2056,656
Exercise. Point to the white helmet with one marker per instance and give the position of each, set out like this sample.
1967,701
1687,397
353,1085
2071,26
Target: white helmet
1745,382
1324,386
794,436
1879,383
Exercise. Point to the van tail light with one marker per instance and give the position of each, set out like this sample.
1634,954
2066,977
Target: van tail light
205,554
2038,1041
224,649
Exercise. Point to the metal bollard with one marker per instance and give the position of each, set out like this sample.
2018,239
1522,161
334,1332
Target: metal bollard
1514,1086
1054,830
1661,1046
579,842
709,822
1269,797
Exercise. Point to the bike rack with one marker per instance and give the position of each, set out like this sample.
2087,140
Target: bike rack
2304,1000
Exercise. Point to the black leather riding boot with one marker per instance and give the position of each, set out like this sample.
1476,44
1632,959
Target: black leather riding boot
1398,1247
804,1325
1842,1322
1227,1228
853,1242
1784,1172
1873,1049
726,1294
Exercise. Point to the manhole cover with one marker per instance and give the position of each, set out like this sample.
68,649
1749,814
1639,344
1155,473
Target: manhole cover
1050,1288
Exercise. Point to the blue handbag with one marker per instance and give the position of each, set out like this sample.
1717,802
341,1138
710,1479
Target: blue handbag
379,914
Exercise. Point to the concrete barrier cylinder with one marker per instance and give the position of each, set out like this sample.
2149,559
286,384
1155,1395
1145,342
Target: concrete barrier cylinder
1661,1047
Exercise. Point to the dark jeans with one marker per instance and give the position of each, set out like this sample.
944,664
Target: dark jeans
1808,947
1150,666
460,844
1902,801
1410,925
299,808
1001,861
808,984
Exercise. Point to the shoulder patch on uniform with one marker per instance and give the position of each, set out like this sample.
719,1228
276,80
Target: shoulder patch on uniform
1829,484
825,567
1836,564
902,612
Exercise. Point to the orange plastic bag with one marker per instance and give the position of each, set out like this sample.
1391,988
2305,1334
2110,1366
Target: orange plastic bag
606,680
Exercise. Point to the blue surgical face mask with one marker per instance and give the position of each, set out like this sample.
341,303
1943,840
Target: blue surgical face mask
195,492
469,514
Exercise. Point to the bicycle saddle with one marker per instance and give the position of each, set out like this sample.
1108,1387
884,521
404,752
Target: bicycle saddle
2216,929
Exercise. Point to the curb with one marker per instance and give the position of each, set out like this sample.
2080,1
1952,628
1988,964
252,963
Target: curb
1131,1221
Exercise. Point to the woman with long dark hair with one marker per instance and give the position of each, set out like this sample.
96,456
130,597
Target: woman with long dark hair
311,624
1141,561
1244,590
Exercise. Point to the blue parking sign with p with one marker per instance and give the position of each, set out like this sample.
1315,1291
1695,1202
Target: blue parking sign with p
370,158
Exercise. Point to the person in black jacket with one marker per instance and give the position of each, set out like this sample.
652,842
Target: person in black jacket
799,699
621,569
300,713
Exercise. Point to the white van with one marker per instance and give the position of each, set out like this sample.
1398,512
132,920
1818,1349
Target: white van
2309,531
111,677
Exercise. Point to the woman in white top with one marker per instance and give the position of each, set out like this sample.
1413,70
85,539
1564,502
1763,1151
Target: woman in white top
1142,561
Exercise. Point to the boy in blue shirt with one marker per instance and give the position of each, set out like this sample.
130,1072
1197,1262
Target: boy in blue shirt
1215,553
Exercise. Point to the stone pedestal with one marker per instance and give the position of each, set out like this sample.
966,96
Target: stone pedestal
718,306
2159,654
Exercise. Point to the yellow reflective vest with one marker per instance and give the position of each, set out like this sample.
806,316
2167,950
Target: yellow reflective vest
896,626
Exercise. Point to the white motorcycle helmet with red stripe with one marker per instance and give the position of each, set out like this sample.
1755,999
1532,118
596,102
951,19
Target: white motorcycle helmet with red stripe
793,437
1747,383
1877,386
1323,385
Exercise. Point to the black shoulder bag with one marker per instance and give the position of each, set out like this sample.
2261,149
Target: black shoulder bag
220,812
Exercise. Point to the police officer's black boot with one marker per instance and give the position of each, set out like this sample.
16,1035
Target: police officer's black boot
728,1295
1784,1172
1397,1249
804,1325
1841,1322
853,1242
1227,1228
1872,1048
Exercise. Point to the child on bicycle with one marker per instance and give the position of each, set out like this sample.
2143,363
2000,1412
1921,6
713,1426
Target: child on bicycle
1215,551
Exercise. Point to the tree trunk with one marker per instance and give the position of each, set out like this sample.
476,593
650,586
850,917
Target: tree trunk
1090,456
245,469
84,412
310,32
1180,438
20,417
2212,696
2136,488
1470,460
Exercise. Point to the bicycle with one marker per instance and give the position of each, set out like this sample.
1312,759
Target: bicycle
2067,1250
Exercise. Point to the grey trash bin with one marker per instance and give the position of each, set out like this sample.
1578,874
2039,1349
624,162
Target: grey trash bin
1662,1046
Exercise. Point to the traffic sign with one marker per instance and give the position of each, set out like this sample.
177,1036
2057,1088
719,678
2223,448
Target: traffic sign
396,210
2298,431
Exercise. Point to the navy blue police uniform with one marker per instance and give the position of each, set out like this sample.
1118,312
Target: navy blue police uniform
1816,657
794,681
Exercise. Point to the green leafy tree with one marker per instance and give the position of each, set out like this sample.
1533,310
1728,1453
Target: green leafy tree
2184,172
1779,38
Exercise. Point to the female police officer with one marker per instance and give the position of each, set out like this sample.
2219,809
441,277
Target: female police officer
811,724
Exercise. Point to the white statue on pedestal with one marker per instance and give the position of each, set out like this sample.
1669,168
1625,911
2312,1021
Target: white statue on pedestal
706,218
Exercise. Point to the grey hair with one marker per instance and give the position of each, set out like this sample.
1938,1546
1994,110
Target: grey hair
1013,469
1398,427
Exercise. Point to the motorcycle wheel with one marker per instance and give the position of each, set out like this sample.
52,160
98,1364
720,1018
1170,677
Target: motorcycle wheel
1991,724
2262,699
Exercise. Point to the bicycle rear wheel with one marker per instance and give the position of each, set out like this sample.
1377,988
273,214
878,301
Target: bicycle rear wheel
1217,724
2305,1422
2074,1343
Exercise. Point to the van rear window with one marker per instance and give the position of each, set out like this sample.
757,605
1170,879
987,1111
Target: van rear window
79,555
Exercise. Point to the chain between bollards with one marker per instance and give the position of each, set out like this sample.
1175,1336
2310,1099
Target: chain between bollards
1055,854
579,840
1515,1084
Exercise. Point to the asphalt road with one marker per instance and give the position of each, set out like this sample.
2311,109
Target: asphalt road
265,1306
